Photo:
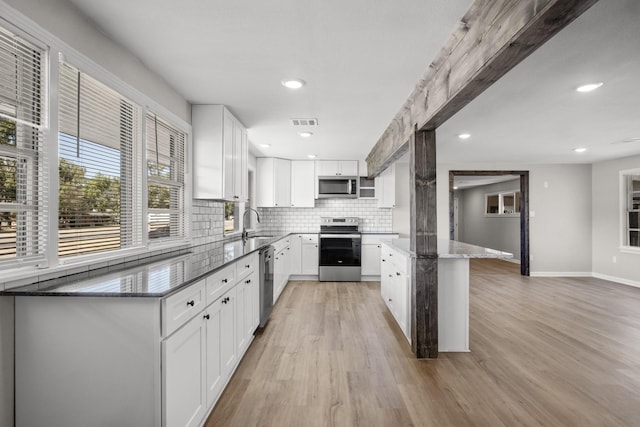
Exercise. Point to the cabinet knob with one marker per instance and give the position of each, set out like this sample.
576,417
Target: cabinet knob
206,316
191,303
379,246
390,300
248,281
390,275
247,266
225,280
397,274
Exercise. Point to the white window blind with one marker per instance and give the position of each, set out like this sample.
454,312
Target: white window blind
23,207
165,179
99,197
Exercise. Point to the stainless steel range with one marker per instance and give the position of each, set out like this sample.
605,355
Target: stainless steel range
340,250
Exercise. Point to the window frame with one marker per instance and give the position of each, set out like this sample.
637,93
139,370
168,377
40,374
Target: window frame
501,195
624,202
56,50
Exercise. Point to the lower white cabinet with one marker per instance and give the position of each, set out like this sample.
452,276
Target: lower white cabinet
371,251
183,375
394,286
120,365
310,254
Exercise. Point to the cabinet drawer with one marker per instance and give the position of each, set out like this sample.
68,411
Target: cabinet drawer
219,282
246,265
182,306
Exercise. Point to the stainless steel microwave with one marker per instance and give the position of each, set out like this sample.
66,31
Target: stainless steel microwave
330,187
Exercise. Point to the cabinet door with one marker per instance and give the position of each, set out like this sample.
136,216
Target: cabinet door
282,184
250,304
371,260
227,332
228,153
309,258
386,188
348,167
214,368
302,184
240,178
327,168
183,374
295,255
255,291
241,315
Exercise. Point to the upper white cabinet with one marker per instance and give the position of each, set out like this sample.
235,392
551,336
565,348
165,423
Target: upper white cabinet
302,183
336,168
386,188
273,182
220,153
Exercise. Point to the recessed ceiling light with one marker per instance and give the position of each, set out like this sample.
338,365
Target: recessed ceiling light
580,149
265,145
293,83
311,156
464,135
305,134
455,188
589,87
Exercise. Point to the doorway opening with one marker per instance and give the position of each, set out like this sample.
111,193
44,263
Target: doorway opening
506,203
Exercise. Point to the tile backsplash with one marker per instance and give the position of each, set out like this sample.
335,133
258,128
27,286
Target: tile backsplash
207,221
301,220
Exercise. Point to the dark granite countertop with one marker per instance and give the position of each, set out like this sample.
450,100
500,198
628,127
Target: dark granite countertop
161,276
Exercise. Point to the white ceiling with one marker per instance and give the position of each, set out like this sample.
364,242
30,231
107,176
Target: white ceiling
534,115
361,59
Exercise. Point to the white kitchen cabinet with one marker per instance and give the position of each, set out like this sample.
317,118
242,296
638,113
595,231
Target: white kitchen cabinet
302,184
180,352
371,253
310,254
336,168
281,266
386,188
214,370
219,154
183,378
394,286
273,182
295,255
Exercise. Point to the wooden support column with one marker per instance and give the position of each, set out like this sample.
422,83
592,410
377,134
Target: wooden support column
424,245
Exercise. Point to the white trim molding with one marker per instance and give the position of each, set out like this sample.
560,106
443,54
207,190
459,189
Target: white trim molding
620,280
561,274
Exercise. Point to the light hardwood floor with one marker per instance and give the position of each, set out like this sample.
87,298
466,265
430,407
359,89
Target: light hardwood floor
544,352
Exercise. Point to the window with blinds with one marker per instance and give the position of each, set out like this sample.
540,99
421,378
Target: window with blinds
165,179
99,191
23,187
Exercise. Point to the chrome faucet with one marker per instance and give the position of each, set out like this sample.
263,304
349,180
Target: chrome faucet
245,234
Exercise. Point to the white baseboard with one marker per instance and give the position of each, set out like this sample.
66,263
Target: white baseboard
561,274
620,280
513,260
304,277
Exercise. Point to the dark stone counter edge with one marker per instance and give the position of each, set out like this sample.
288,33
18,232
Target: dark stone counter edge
35,289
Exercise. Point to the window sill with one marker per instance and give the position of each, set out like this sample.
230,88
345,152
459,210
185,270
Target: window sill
15,277
629,250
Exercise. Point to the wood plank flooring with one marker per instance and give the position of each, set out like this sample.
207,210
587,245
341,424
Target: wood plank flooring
544,352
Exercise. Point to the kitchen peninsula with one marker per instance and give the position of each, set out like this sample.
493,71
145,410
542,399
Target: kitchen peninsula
453,287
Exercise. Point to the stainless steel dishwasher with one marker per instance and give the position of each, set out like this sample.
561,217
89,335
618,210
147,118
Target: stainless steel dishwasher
266,284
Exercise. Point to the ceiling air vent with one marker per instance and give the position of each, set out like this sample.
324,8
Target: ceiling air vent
304,122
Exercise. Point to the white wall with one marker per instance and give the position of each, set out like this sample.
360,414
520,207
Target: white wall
560,227
607,222
496,232
62,20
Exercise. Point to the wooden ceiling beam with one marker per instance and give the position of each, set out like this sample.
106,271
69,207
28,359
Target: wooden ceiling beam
492,38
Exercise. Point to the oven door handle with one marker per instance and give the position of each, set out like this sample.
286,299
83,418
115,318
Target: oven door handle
339,236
